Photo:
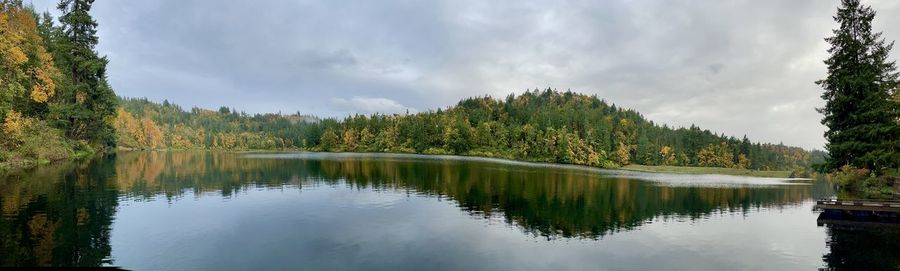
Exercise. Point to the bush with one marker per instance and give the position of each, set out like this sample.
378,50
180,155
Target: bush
5,157
44,143
484,152
437,151
801,173
608,164
847,177
402,149
34,142
83,149
862,183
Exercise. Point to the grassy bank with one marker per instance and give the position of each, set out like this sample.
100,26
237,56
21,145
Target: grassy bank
710,170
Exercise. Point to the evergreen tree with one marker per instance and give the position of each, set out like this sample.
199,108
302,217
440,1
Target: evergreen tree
860,114
86,103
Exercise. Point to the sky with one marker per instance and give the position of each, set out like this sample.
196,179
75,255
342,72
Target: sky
735,67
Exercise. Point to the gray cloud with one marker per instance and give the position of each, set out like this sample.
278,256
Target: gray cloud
738,67
367,105
716,68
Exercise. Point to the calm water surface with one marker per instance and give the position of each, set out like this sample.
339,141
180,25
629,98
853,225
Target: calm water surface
221,211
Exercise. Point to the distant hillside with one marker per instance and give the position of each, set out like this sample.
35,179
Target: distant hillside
142,124
546,126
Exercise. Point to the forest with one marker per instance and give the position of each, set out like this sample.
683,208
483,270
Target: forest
543,126
55,102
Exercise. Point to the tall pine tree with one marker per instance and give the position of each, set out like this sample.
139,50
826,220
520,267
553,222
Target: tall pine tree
860,114
86,103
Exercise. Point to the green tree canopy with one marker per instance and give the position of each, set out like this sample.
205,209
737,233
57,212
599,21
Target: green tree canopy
861,116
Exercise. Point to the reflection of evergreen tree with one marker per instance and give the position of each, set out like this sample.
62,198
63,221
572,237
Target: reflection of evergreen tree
59,217
863,248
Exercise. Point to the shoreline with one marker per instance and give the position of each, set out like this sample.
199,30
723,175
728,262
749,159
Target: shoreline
781,174
710,170
686,170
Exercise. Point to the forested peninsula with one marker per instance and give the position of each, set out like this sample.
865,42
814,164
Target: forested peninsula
542,126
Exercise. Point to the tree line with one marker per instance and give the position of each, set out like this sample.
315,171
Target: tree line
545,126
142,124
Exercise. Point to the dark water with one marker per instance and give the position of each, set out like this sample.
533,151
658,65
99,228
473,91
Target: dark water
214,211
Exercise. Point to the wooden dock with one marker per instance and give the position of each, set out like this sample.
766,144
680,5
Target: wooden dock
874,212
881,206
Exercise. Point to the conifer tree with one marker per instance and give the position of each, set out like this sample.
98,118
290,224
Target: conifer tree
85,103
860,114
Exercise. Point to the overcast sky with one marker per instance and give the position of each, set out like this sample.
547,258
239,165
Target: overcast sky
734,67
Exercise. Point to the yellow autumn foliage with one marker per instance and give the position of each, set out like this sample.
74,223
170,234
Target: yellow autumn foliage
128,130
16,56
13,124
44,88
28,68
668,155
153,137
715,155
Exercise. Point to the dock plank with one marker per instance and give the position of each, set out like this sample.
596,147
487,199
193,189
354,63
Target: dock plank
889,206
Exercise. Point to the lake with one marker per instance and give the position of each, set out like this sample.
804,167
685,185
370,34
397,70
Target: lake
230,211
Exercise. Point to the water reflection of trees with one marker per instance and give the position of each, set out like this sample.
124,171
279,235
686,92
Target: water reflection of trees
553,202
62,215
58,216
861,247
